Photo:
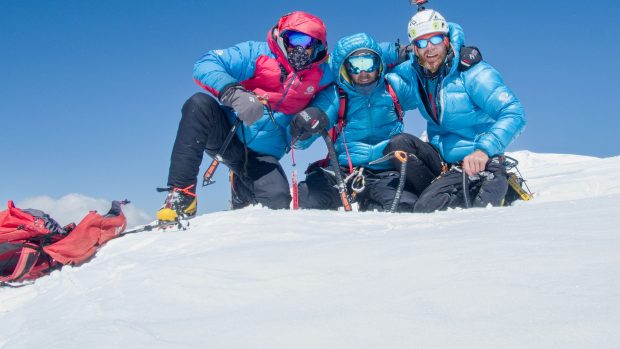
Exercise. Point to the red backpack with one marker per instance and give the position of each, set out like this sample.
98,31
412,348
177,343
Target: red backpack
32,244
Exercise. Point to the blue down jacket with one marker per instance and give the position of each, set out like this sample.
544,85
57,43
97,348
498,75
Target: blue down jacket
371,118
476,109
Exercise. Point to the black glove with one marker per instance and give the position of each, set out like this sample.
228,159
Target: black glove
470,56
246,104
308,122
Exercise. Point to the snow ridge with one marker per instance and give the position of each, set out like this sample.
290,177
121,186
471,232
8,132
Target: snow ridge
540,274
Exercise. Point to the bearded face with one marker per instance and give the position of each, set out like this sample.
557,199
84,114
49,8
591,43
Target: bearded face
431,55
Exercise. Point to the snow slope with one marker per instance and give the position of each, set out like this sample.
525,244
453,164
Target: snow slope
541,274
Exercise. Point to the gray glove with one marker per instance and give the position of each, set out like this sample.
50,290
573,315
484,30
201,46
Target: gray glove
246,104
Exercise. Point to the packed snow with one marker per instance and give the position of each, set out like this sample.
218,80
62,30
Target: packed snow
539,274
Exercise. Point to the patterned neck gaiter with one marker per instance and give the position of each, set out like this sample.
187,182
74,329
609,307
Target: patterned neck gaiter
299,58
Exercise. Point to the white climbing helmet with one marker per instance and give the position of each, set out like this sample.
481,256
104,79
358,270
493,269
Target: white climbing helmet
425,22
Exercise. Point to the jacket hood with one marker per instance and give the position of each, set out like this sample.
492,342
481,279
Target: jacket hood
302,22
344,48
457,40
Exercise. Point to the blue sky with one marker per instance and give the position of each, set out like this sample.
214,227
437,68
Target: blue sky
91,91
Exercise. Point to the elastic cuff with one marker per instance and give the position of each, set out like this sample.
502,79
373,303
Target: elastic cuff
226,87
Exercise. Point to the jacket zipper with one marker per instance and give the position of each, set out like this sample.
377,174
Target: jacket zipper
441,100
286,89
372,124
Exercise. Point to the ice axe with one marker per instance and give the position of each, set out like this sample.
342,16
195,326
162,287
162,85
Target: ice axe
342,188
207,177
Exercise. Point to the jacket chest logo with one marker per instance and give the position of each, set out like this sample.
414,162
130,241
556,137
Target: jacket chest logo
504,97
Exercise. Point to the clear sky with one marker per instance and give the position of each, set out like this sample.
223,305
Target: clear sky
91,91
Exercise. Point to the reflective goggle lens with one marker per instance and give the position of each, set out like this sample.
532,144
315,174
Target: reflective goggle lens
294,38
358,64
435,40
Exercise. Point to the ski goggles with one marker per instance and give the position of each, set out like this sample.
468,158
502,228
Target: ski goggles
435,40
358,64
293,39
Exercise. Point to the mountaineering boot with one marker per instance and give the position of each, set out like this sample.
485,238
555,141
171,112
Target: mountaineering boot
181,203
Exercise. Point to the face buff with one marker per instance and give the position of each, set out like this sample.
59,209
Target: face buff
298,58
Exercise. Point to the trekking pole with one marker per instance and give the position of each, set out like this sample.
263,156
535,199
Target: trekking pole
156,226
466,189
403,157
269,111
294,185
342,188
208,175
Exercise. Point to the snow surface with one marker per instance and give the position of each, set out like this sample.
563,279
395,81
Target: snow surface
540,274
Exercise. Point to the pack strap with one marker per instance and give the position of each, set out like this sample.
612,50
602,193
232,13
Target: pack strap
28,256
342,112
343,106
335,131
397,106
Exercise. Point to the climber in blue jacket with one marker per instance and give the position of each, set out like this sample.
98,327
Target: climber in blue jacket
360,66
471,115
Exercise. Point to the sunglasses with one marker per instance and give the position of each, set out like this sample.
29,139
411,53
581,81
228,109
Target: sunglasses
293,39
435,40
358,64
